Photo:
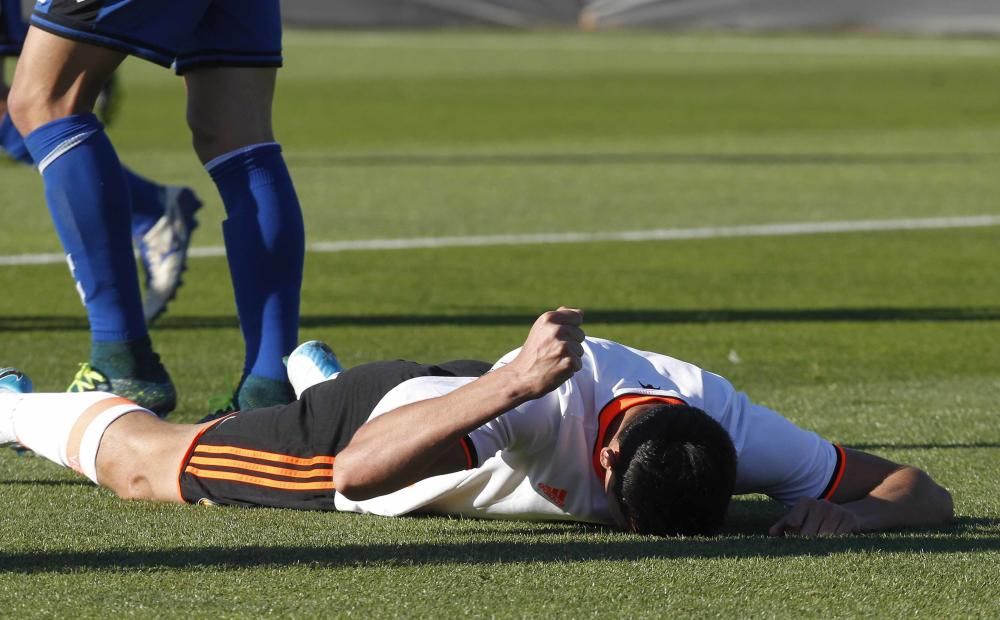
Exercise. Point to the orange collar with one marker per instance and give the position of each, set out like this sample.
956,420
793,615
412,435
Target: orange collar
612,410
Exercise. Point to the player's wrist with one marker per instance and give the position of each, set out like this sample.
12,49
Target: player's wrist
520,386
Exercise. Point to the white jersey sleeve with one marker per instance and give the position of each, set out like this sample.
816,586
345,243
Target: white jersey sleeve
523,429
779,459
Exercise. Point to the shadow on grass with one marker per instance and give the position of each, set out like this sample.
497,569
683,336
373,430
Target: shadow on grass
25,323
48,483
640,158
526,543
479,552
925,446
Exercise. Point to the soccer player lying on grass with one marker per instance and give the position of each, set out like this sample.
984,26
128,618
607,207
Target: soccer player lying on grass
565,427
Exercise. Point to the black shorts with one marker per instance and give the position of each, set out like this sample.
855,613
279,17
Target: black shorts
283,456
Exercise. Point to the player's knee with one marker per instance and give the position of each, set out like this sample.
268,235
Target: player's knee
32,105
123,474
134,486
212,136
21,109
204,137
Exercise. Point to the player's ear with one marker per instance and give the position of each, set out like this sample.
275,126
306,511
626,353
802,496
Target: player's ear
607,457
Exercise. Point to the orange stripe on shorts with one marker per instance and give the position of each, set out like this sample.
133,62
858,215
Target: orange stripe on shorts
325,485
322,469
264,456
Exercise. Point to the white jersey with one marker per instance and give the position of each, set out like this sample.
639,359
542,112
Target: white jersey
539,461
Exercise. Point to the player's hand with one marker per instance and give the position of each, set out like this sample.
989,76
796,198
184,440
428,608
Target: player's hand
816,517
552,352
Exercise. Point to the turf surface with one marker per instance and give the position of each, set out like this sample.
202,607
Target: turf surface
884,341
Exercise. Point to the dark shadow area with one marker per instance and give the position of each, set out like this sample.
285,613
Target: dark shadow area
47,483
744,537
525,528
479,552
925,446
647,158
612,316
962,525
751,517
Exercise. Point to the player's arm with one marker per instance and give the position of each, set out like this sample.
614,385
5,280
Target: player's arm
873,494
422,439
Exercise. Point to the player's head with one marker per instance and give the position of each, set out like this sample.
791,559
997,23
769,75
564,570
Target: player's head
673,473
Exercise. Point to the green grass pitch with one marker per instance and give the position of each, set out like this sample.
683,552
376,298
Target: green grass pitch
882,340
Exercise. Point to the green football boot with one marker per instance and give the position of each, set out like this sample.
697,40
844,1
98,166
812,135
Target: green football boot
252,392
160,397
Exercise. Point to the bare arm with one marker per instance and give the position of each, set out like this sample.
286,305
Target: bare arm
421,439
874,494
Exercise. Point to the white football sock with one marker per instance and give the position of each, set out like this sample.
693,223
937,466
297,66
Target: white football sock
65,428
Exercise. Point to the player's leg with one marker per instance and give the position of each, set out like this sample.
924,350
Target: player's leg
229,64
11,142
12,31
163,218
229,112
109,439
55,85
140,456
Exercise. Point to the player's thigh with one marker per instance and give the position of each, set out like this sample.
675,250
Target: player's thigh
73,47
56,77
280,457
229,65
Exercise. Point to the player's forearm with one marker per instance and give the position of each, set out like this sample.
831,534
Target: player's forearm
411,443
906,498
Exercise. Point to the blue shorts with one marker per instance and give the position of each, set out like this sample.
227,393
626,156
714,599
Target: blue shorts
182,34
12,28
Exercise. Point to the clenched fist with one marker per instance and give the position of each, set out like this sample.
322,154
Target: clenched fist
551,353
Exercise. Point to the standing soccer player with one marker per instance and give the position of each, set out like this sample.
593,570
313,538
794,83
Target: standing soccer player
163,216
228,52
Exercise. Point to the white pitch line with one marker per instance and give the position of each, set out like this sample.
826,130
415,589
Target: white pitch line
661,234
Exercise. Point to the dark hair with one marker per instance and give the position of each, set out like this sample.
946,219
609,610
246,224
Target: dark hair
675,472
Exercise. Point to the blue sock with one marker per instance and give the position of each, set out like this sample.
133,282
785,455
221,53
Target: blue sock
88,198
12,142
147,196
265,246
147,202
